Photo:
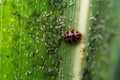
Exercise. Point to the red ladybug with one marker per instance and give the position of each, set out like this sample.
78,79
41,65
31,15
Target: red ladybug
72,36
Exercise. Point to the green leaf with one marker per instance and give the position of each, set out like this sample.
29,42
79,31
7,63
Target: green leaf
32,46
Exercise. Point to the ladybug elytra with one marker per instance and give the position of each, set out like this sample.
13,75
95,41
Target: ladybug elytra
72,36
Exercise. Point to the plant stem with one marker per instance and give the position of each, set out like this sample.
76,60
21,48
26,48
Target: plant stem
79,50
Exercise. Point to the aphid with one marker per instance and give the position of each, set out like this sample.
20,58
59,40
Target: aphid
53,50
70,3
32,54
50,72
72,36
64,5
28,73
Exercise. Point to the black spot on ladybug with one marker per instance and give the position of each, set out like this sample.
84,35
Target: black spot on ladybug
72,31
72,36
76,31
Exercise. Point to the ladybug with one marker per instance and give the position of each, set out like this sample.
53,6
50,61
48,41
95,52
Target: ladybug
72,36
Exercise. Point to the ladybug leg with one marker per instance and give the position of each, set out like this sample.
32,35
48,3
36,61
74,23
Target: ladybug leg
72,31
67,40
71,40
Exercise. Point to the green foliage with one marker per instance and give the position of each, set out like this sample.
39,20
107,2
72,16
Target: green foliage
32,46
